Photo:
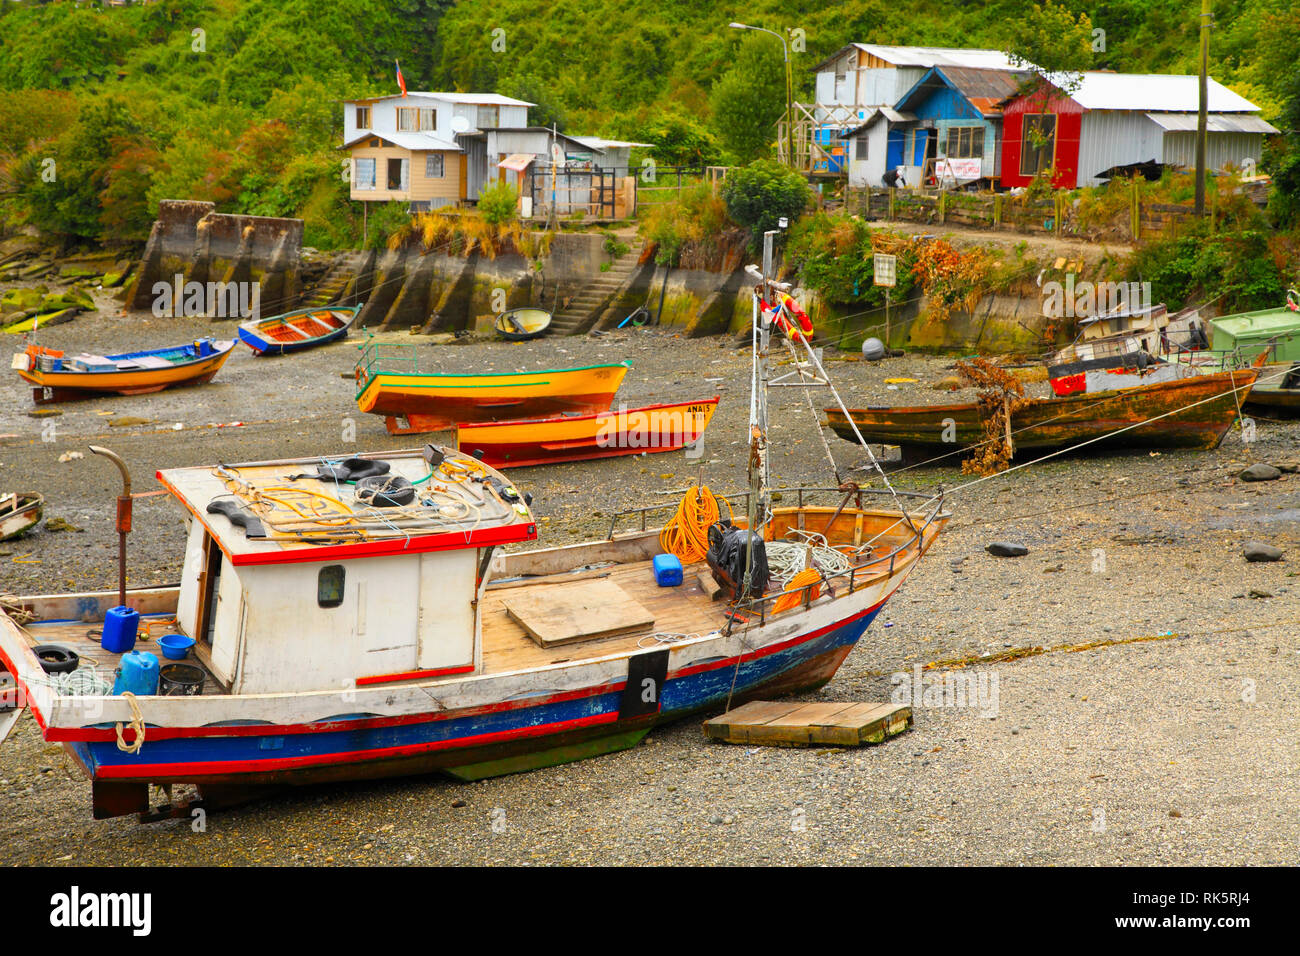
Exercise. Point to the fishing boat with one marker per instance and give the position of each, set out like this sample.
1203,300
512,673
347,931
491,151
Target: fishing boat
519,325
357,619
59,377
1192,412
1276,390
298,330
391,383
626,431
19,513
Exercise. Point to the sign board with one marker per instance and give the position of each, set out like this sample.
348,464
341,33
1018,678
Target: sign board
959,170
884,268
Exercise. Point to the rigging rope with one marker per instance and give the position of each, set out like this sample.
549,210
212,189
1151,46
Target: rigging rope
686,534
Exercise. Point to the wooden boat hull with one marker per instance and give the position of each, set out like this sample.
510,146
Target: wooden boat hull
529,323
1272,393
273,336
469,727
23,517
413,403
625,431
59,386
1203,408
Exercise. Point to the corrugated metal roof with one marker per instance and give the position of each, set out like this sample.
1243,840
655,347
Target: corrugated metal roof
1149,91
1214,122
470,99
984,89
413,141
926,56
600,143
880,112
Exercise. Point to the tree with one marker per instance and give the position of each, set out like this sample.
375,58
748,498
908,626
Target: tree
758,195
749,98
1050,41
1283,158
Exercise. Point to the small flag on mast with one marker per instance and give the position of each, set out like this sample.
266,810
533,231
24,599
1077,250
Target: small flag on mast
401,82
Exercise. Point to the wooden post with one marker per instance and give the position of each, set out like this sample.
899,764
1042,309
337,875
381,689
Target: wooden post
1006,420
1060,211
1135,213
997,210
893,190
942,210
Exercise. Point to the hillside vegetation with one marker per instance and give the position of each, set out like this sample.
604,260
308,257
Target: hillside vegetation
106,110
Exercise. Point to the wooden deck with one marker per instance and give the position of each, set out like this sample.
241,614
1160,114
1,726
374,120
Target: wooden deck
83,638
685,609
792,724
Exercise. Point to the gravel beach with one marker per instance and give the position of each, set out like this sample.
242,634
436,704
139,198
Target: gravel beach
1169,739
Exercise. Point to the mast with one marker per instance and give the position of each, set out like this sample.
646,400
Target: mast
759,510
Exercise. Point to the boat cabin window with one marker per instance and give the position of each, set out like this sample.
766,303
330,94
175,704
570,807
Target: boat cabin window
329,586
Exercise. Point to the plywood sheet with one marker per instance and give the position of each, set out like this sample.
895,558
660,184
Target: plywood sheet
582,611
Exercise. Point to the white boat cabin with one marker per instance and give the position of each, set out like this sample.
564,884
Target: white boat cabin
319,575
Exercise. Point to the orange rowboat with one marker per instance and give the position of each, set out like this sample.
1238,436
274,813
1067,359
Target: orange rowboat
390,384
626,431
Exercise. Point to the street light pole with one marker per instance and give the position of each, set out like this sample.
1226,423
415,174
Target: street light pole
789,89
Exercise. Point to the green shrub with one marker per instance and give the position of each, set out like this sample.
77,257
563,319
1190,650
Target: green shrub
498,203
758,195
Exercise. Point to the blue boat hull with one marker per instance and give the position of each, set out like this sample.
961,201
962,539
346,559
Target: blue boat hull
351,747
263,346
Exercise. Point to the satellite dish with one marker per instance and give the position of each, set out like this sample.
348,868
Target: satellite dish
459,124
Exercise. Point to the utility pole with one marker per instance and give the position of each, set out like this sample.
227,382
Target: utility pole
1202,119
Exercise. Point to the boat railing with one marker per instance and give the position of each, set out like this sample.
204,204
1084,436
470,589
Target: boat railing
932,508
379,357
764,605
742,498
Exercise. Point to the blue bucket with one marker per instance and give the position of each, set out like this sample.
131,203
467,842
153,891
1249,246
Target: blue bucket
120,626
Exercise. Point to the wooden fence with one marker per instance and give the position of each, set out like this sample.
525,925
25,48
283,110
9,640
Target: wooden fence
1057,215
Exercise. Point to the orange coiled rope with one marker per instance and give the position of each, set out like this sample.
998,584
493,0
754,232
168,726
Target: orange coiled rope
687,533
793,595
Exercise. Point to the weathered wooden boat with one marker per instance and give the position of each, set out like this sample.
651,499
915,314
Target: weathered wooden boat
298,330
19,513
519,325
391,383
1250,333
59,377
1277,390
357,619
625,431
1192,412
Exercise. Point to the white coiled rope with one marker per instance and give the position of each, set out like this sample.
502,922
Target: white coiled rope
785,559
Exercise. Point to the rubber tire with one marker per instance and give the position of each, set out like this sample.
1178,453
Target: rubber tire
65,658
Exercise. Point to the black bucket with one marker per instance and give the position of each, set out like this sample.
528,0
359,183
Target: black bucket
180,680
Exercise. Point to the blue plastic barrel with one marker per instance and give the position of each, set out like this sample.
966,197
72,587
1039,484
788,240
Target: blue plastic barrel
138,674
120,626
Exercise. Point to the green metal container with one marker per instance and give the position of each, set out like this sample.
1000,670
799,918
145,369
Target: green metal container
1250,333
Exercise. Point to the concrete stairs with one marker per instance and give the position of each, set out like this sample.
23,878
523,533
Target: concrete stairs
335,282
585,307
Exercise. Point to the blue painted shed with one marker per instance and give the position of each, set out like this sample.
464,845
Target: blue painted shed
958,114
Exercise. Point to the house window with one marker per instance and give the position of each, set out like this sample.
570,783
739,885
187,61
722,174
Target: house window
1038,143
429,120
363,117
860,148
965,142
397,174
433,166
487,117
329,586
363,176
407,119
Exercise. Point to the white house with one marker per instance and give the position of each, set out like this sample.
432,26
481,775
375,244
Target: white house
427,149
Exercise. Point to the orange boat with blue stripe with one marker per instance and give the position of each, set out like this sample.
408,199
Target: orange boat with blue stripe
58,377
625,431
391,383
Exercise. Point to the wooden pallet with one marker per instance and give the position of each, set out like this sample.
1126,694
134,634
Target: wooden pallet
794,724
